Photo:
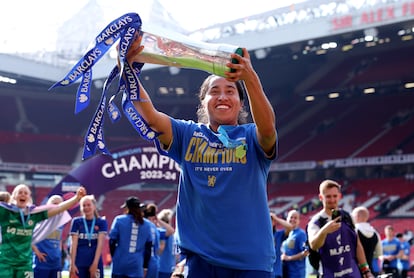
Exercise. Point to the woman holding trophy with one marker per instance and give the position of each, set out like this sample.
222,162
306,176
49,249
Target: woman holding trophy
222,220
223,223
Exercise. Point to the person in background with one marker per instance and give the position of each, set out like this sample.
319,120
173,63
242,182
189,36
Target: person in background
88,233
369,237
150,213
294,249
279,236
166,252
391,251
18,220
404,259
47,254
5,196
130,241
180,269
224,165
334,239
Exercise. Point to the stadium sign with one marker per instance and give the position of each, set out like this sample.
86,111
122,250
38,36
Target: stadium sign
127,166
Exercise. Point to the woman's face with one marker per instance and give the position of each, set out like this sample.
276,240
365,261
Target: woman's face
222,103
88,208
22,196
294,219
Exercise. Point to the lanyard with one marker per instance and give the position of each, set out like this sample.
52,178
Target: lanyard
222,135
89,232
24,221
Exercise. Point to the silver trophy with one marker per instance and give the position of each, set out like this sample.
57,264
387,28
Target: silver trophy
179,51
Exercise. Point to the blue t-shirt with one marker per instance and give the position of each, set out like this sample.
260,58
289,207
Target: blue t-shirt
295,243
154,264
279,237
167,257
222,211
51,245
131,238
87,239
405,263
391,247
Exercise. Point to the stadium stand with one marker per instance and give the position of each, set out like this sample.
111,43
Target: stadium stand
383,124
362,127
40,127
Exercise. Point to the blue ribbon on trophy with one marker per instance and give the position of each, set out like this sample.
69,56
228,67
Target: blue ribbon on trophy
125,27
83,94
177,52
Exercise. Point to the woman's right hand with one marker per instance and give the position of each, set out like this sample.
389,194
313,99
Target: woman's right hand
73,271
134,50
81,192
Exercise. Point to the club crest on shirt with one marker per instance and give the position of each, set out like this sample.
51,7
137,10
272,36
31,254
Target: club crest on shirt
338,239
211,181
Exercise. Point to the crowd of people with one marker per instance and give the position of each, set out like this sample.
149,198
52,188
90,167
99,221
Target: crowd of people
343,243
142,241
137,236
338,243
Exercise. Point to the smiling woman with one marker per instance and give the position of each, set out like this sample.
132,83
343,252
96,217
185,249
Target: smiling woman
87,234
18,228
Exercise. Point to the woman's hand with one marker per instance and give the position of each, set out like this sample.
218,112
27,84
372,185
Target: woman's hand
134,50
73,271
240,67
92,270
81,192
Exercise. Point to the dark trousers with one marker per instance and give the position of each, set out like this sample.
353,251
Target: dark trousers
199,268
391,270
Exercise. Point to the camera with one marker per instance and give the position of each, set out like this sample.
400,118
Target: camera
336,214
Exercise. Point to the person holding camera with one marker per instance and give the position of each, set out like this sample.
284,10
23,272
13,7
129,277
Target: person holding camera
332,237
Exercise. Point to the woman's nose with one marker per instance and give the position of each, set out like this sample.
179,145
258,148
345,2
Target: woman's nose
222,95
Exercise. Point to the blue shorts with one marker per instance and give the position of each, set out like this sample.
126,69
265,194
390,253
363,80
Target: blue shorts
84,272
47,273
164,274
199,268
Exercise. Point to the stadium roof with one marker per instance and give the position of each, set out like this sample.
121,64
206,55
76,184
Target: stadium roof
52,53
293,46
56,43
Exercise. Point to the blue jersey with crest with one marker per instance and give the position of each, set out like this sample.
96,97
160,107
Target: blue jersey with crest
222,210
87,239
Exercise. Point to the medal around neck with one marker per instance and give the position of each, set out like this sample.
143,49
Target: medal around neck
241,151
239,146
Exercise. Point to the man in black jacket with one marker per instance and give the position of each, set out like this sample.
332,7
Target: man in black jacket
369,237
